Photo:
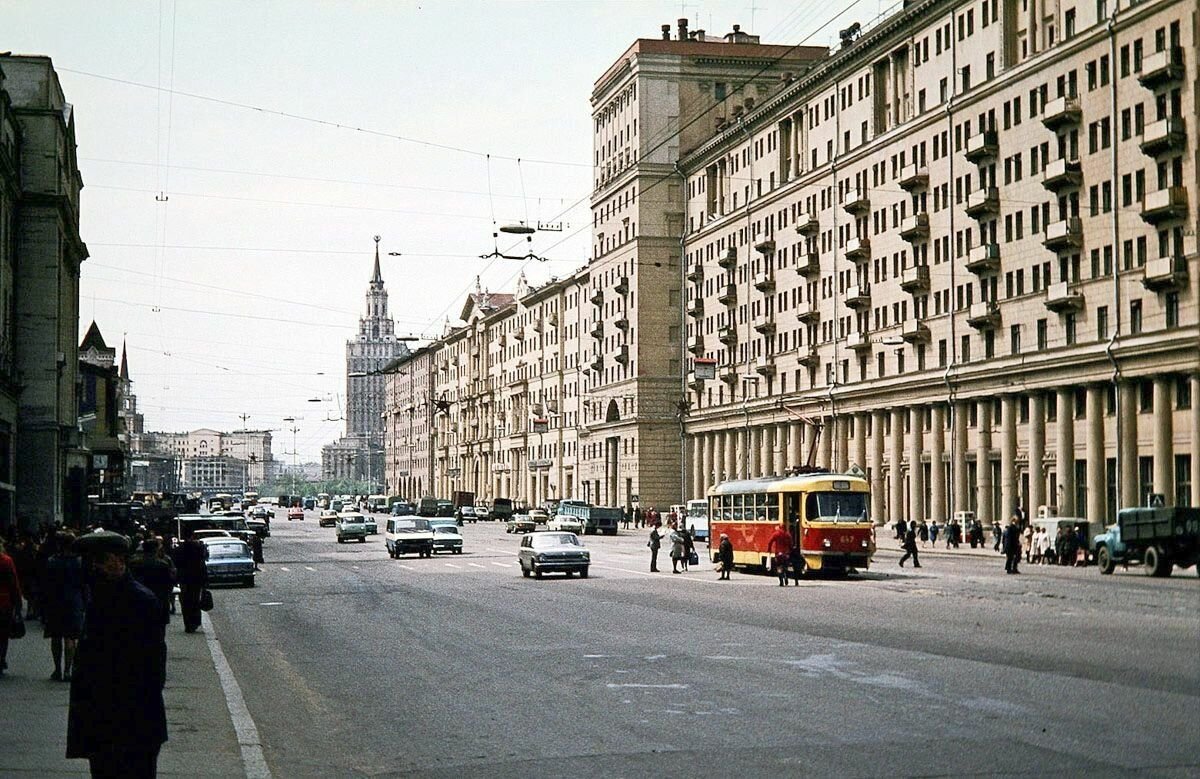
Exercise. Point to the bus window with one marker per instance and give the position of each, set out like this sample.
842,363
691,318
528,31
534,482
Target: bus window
837,507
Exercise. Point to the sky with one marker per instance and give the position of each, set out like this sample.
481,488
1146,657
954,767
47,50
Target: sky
239,157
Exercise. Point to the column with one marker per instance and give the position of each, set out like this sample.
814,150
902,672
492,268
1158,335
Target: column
877,498
740,467
895,507
755,452
1194,448
796,453
1127,444
706,455
781,463
1037,453
1164,431
1095,454
916,471
860,441
731,455
958,457
937,468
983,464
1064,453
698,479
766,442
825,445
841,444
1008,457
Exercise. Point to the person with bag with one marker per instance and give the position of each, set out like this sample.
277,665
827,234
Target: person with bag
11,623
654,543
192,569
779,546
689,548
677,546
725,556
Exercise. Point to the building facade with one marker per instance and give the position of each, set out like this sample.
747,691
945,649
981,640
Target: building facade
409,439
214,450
961,254
10,190
100,419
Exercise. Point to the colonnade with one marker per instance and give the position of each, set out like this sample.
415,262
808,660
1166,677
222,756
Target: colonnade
928,460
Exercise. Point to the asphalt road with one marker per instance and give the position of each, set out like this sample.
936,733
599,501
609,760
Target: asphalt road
353,664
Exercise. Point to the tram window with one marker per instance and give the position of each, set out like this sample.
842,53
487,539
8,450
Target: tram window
837,507
773,508
760,507
738,514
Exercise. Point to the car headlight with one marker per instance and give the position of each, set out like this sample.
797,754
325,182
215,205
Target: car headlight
825,543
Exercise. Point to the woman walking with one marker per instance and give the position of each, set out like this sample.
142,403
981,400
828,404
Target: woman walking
725,556
63,604
677,547
10,602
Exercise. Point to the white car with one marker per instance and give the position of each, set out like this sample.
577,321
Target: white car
351,526
566,523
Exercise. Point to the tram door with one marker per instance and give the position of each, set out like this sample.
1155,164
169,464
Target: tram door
791,513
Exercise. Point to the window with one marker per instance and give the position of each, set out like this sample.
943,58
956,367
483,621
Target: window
1042,335
1135,316
1069,326
1183,480
1183,393
1171,304
1145,396
1069,24
1102,323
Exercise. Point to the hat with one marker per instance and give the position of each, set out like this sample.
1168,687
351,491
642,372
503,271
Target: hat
101,541
724,535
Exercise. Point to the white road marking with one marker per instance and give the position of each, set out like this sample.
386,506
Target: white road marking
355,567
451,565
254,762
272,603
407,567
503,565
612,685
283,568
309,568
476,565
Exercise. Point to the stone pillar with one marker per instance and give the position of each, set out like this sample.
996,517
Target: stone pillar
877,466
937,468
1194,448
743,442
825,447
1064,453
731,456
766,458
781,464
895,507
1008,457
842,444
1095,454
1164,432
983,465
916,470
1127,444
1037,453
958,457
706,465
796,453
696,488
860,441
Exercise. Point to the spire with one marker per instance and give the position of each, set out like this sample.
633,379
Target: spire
377,278
124,363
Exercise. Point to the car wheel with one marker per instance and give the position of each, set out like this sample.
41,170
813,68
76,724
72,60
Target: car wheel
249,582
362,539
583,572
1104,560
340,540
524,570
570,574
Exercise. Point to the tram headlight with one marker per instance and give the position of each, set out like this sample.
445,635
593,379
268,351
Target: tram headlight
825,543
864,543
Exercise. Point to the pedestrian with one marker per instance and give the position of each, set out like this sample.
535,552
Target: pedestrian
677,546
10,603
923,532
997,533
779,546
954,533
933,533
689,545
1011,539
654,543
192,570
625,517
1027,539
24,557
725,556
909,545
63,595
796,564
117,719
637,517
256,545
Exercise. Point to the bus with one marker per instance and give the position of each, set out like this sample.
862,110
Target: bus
697,519
827,514
250,499
323,499
220,502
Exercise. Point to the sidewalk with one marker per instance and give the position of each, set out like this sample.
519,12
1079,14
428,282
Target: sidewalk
886,543
33,712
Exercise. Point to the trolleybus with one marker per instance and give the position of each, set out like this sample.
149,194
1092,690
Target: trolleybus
827,514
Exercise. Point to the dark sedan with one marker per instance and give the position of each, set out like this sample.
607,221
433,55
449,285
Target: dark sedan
229,561
550,551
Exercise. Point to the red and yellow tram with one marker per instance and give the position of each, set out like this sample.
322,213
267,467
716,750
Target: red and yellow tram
827,515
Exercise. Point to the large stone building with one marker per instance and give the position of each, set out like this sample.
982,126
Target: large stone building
205,459
40,255
961,254
409,417
100,418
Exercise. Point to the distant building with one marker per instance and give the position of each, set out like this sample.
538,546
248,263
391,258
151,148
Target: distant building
250,447
100,419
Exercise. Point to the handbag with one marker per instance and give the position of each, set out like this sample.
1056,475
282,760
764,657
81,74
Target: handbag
206,600
16,626
693,559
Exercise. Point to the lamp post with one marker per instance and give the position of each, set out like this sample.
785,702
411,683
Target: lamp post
295,429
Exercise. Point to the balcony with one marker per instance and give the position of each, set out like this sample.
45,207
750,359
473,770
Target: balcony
1060,298
621,322
984,258
983,202
695,344
858,249
859,296
764,365
808,263
914,177
695,308
728,294
728,374
622,354
1064,234
597,330
915,332
915,228
859,342
695,271
1061,174
502,339
727,335
536,326
856,201
729,259
1165,274
808,356
694,382
982,146
519,334
984,315
807,224
552,319
1169,203
809,314
597,364
1061,112
1163,136
1162,67
765,246
597,298
622,286
915,279
764,282
765,327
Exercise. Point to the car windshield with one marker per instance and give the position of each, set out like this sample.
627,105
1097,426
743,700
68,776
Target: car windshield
556,539
446,530
410,525
224,550
351,518
837,507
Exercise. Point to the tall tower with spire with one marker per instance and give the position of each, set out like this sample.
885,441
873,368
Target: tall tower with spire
373,348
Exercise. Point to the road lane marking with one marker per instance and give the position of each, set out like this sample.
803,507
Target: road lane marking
612,685
503,565
272,603
451,565
254,762
476,565
309,568
407,567
284,568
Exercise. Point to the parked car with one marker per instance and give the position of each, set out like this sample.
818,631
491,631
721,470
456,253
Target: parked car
405,535
447,538
520,523
200,535
539,516
328,518
229,560
351,525
483,511
548,551
295,512
259,524
565,523
372,526
467,514
403,508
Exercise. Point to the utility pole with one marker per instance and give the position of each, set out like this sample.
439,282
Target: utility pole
246,444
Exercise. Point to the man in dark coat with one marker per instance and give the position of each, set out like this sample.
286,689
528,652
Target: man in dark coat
192,571
654,544
725,556
909,546
1011,541
117,719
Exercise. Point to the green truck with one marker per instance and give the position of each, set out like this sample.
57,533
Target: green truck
1156,538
